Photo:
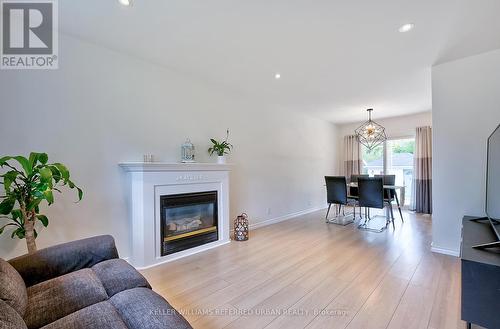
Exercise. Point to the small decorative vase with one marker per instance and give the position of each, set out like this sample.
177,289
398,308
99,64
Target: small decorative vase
241,228
221,159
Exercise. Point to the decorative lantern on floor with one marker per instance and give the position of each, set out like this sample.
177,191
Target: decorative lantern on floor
241,228
187,152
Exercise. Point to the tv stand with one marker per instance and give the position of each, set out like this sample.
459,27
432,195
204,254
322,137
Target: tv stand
495,244
480,219
487,245
480,275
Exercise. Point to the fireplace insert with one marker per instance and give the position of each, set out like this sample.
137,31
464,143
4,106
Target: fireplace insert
187,221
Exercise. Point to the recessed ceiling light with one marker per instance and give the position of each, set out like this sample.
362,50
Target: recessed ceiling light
406,28
125,2
277,76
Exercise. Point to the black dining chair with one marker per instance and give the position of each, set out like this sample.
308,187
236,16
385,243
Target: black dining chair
371,195
390,195
353,190
336,194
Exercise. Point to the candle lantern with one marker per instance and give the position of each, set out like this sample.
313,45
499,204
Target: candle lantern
241,228
187,152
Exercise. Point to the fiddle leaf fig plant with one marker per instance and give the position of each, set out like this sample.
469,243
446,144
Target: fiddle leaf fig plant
27,183
221,148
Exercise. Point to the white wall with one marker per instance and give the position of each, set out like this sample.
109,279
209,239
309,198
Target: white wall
466,109
102,107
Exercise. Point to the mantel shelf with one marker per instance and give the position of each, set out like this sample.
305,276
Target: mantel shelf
173,166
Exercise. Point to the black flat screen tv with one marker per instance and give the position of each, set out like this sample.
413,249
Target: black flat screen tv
493,189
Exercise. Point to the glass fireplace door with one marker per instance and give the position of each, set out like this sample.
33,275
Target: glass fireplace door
188,220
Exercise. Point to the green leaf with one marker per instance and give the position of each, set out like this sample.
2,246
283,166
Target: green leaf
46,175
63,170
38,157
3,227
49,196
35,202
28,169
80,194
38,193
43,219
16,213
17,216
33,158
20,233
56,174
3,160
43,158
8,178
213,141
7,205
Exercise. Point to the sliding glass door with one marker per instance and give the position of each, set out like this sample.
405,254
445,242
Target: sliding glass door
373,160
394,157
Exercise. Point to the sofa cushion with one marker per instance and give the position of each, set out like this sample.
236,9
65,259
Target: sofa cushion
117,275
58,297
141,308
12,288
51,262
9,318
100,315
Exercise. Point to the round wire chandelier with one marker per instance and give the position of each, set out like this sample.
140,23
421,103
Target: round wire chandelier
370,133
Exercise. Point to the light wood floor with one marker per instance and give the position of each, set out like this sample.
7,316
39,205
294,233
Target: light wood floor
304,273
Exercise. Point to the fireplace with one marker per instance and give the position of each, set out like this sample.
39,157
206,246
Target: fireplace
188,220
153,190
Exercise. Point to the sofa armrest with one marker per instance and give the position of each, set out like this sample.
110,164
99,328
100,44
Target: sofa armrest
64,258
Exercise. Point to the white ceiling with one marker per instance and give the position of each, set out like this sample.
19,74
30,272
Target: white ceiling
336,57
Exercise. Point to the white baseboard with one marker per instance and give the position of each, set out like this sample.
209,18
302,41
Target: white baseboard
445,251
185,253
284,217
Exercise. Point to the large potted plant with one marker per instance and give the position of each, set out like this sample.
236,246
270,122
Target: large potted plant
220,148
27,182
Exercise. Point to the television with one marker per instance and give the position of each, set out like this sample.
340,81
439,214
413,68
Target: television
493,189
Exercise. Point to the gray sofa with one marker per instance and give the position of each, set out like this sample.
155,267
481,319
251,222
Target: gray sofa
81,284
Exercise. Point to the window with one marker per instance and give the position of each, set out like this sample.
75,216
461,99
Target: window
372,161
394,157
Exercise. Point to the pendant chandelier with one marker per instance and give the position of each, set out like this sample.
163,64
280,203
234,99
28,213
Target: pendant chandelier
370,133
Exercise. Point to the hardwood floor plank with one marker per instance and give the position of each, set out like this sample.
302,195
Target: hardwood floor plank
414,310
446,307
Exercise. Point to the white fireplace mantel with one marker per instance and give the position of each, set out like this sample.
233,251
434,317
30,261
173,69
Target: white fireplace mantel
148,182
173,166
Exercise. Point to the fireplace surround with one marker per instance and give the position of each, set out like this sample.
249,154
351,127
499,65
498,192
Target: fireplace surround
176,209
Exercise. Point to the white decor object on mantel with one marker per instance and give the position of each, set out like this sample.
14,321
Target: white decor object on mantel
148,182
221,159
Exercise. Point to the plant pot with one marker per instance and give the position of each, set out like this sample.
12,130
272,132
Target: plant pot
221,159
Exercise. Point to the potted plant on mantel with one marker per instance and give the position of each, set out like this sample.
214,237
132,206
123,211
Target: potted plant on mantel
26,184
221,148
